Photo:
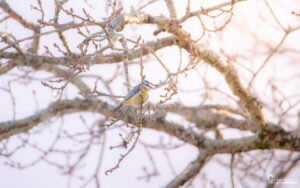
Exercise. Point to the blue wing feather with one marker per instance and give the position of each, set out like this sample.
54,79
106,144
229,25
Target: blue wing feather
133,91
136,89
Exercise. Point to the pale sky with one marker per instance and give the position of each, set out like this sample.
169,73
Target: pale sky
250,19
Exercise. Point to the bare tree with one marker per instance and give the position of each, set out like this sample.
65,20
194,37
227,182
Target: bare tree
228,71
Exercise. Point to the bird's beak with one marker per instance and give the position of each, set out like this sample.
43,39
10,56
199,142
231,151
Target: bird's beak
152,86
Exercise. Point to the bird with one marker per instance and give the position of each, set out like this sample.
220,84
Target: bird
137,95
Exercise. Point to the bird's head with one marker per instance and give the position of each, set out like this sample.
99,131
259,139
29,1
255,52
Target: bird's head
148,85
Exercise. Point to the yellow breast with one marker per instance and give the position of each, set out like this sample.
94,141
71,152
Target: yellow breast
138,98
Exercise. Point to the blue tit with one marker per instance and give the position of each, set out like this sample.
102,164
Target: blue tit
137,95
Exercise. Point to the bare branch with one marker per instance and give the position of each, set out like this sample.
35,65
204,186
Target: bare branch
190,171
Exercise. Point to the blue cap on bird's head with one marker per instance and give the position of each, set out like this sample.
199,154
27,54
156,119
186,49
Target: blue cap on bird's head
147,84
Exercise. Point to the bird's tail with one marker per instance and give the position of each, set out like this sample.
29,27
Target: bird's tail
118,107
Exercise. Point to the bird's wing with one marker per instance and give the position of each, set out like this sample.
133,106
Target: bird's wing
133,91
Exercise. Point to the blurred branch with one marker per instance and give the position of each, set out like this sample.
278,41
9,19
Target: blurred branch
25,23
284,172
37,60
171,9
284,140
190,14
190,171
225,68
